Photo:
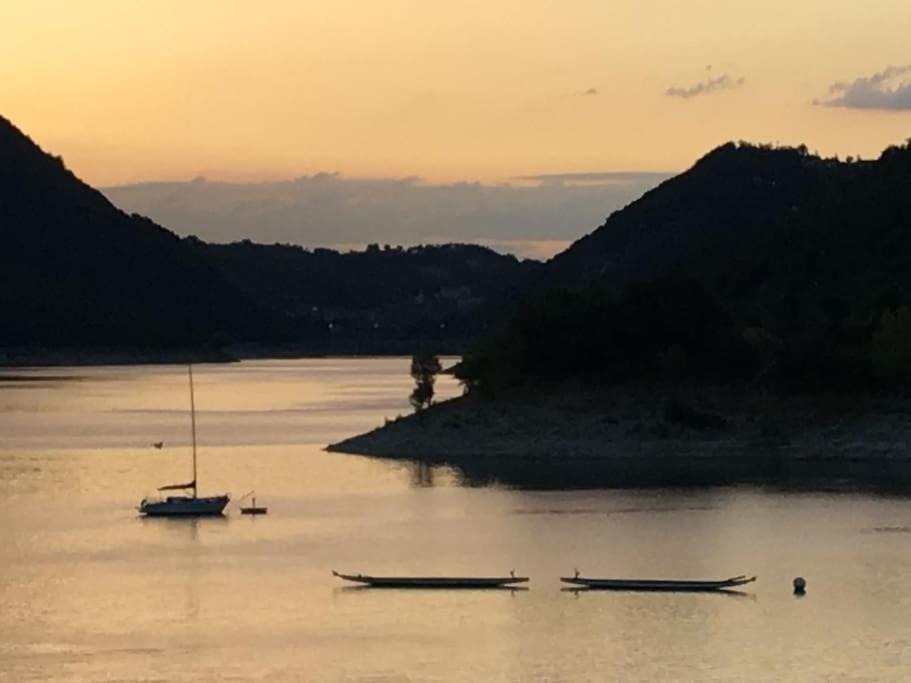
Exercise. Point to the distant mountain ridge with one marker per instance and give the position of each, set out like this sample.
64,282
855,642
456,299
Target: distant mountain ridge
426,293
75,271
796,250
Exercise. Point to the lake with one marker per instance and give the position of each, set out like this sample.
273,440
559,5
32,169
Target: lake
89,591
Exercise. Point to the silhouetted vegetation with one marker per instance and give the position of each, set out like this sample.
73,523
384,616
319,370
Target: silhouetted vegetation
417,294
760,266
77,272
669,329
712,216
424,369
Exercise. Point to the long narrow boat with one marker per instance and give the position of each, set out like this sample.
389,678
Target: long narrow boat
433,581
656,584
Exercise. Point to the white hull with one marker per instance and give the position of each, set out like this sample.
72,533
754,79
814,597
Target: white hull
184,506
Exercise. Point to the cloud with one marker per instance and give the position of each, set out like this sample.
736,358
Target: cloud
535,249
598,178
591,92
329,210
723,82
879,91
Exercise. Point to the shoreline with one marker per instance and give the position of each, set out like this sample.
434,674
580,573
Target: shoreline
49,358
55,358
657,427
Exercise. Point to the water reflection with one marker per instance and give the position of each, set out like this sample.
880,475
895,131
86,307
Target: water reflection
184,529
576,591
90,592
881,477
25,379
342,590
183,554
421,474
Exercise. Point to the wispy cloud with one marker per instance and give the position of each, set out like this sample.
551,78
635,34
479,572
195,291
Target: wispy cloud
599,178
591,92
710,85
885,90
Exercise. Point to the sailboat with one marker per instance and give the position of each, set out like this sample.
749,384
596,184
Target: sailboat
185,505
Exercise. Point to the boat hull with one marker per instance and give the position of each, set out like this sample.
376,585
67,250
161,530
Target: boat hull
254,511
670,585
184,506
433,581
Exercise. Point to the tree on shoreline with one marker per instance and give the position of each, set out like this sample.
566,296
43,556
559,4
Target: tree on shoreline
424,368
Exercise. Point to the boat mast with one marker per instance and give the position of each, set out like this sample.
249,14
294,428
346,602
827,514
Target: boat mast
193,425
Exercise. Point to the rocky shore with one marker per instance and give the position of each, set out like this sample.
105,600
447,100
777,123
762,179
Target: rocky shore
647,424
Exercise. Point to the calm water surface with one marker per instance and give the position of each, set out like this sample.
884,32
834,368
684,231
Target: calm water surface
91,592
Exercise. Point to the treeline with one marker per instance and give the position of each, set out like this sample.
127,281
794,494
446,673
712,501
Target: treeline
449,291
675,331
814,297
78,273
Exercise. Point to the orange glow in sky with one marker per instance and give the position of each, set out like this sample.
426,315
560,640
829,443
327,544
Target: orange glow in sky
473,89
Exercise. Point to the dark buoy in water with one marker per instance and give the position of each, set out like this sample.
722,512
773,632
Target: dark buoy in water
800,586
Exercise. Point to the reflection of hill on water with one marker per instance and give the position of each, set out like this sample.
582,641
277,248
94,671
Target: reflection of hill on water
876,477
28,379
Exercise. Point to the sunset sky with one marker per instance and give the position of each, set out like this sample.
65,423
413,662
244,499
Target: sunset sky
446,90
487,90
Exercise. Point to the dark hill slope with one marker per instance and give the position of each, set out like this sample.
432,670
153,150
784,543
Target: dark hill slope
390,291
75,270
709,218
756,265
853,237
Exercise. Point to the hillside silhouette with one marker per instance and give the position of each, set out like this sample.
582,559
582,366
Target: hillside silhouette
393,296
77,271
759,265
709,217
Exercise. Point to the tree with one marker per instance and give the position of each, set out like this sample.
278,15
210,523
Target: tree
424,368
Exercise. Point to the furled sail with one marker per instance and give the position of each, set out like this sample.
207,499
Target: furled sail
176,487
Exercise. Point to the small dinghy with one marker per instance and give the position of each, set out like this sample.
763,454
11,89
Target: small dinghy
655,584
434,581
252,509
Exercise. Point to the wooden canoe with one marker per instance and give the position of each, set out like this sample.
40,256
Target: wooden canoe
433,581
656,584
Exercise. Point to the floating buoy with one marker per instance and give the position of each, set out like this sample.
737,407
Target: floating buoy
800,585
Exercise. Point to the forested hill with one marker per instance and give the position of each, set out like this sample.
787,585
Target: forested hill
758,265
377,296
763,228
76,271
708,217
